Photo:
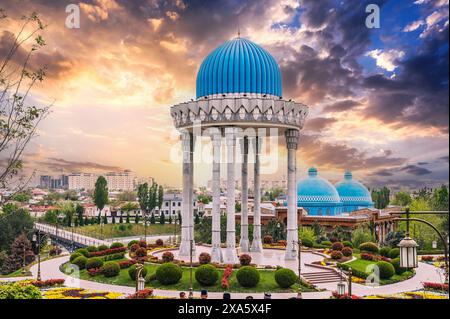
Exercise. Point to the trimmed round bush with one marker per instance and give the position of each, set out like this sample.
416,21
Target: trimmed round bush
337,246
91,249
285,277
369,247
167,257
159,242
384,251
74,256
248,276
336,254
83,251
326,243
206,275
204,258
347,244
134,247
80,262
396,263
116,245
111,269
367,256
142,243
141,252
102,247
268,239
347,251
394,253
245,259
168,274
132,272
307,242
131,243
94,262
387,270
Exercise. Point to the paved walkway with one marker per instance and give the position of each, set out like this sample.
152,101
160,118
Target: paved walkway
50,270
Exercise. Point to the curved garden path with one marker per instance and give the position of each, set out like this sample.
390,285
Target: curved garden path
425,272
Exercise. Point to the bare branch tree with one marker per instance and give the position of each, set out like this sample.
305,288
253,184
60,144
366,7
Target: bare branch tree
18,119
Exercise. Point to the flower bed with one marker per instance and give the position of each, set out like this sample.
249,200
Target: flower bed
47,283
335,295
107,252
142,294
435,286
79,293
226,276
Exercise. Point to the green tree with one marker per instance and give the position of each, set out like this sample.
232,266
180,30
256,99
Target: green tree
143,197
128,218
127,196
70,194
162,218
170,219
160,197
402,198
21,197
197,219
380,197
275,229
13,221
361,235
79,209
419,204
121,219
105,219
152,219
439,200
21,253
19,120
100,195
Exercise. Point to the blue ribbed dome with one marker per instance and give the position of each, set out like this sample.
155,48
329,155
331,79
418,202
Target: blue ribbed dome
352,192
239,66
316,190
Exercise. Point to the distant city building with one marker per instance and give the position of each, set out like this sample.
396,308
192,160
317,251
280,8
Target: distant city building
54,182
117,181
172,204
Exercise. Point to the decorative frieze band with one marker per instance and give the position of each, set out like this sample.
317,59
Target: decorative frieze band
226,110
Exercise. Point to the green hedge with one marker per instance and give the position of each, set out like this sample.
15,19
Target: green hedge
111,269
94,262
132,272
394,253
74,256
285,277
387,270
248,276
396,263
80,262
168,274
206,275
369,247
384,251
355,272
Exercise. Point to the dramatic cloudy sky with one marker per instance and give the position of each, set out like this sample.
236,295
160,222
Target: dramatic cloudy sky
378,97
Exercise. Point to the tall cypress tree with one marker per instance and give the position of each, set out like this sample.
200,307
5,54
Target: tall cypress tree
100,195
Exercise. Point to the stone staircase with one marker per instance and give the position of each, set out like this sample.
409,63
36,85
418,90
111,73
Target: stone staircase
320,277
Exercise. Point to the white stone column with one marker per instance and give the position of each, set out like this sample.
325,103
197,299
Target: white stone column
257,243
186,138
216,251
230,253
244,243
191,194
292,228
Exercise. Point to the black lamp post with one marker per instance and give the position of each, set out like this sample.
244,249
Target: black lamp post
38,241
408,247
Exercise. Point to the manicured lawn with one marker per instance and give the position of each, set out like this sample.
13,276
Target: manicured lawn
361,265
266,283
124,230
17,273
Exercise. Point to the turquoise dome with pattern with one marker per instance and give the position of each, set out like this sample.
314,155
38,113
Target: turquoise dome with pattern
354,195
317,195
239,66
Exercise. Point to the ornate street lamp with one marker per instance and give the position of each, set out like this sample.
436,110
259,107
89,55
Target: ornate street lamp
299,293
341,286
38,240
408,247
408,253
140,281
434,244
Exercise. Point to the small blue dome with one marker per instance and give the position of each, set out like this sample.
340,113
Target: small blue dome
315,190
239,66
353,193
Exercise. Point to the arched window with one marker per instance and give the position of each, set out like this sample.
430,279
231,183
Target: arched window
328,211
319,211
